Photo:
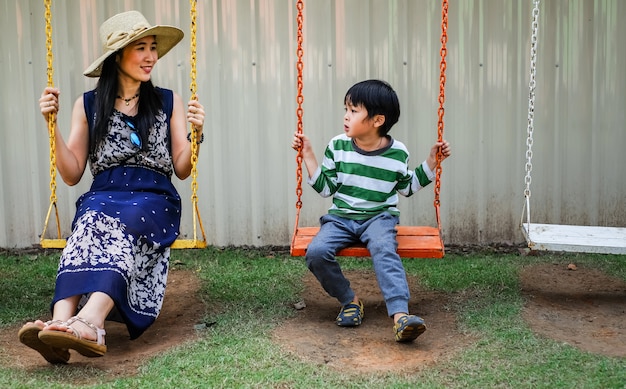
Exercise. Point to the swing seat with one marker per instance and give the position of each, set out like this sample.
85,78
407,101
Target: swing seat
52,243
581,239
189,244
413,242
178,244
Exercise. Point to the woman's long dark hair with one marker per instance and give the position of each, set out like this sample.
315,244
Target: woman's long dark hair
149,104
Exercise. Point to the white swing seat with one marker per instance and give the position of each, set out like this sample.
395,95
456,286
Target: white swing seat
581,239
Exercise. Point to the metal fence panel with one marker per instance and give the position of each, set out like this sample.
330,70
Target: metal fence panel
247,81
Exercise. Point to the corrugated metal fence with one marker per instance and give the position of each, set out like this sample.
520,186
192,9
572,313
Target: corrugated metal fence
246,80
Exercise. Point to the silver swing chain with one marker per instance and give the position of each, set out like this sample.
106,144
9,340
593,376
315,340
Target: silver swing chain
531,104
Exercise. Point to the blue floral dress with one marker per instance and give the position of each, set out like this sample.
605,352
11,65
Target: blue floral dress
125,223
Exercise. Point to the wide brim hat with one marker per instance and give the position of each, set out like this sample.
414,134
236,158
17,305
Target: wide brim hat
126,27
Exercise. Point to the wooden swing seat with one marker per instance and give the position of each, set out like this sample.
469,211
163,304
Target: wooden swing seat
570,238
413,242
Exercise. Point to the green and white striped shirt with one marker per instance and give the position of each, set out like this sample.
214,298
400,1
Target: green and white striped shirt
364,184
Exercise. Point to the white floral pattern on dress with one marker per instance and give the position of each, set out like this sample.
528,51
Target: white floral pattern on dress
143,266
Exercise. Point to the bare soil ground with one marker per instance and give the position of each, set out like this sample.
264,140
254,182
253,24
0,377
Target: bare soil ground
582,307
182,309
579,306
313,335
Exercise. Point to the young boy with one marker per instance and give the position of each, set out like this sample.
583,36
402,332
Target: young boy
364,169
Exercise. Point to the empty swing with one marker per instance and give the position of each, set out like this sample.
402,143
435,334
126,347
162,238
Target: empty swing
554,237
59,242
413,241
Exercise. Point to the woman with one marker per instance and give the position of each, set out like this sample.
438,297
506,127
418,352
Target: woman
134,136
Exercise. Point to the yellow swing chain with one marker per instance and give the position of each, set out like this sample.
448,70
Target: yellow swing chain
194,135
51,126
193,88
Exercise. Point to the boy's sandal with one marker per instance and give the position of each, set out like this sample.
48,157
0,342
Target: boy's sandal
408,328
351,315
29,336
73,340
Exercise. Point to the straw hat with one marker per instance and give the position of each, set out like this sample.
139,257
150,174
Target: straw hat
126,27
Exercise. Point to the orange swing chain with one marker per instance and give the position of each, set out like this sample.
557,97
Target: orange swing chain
442,97
299,113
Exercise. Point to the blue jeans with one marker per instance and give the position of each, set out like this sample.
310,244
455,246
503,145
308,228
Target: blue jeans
379,235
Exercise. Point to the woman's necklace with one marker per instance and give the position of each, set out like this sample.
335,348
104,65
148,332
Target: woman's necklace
128,100
129,110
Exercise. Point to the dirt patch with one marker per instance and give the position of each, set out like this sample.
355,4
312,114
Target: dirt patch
182,309
580,306
313,335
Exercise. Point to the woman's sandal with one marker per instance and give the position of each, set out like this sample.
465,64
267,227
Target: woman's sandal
29,335
73,340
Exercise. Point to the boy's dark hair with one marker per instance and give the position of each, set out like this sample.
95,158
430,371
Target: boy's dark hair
378,98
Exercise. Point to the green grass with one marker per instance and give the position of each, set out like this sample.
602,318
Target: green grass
26,285
259,287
